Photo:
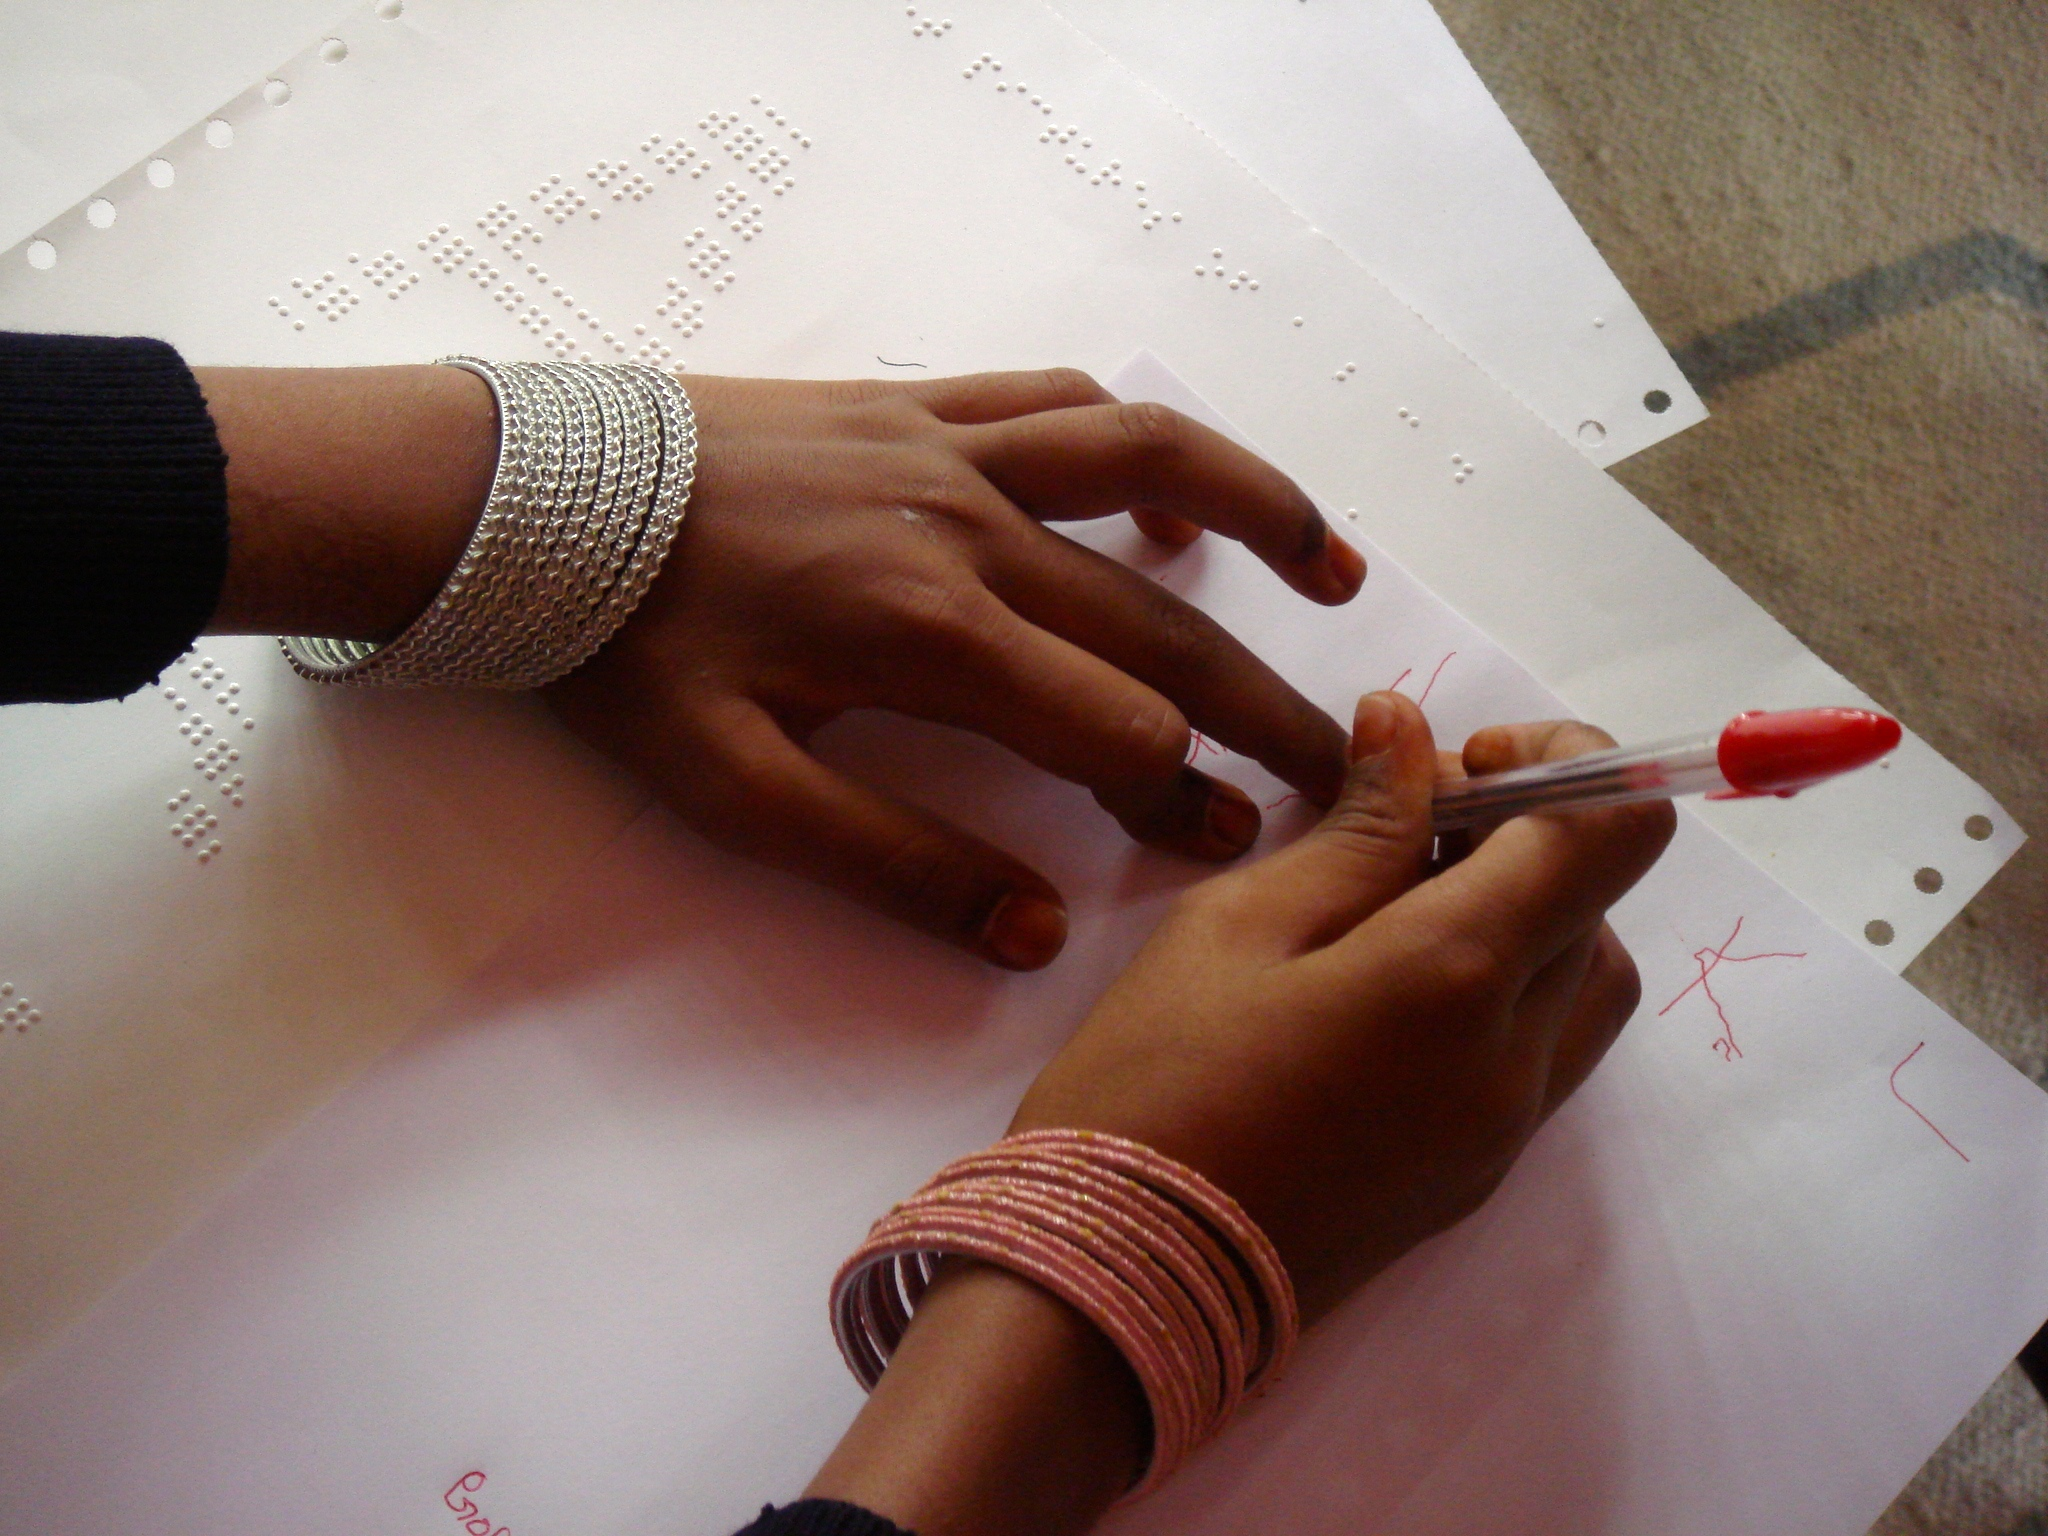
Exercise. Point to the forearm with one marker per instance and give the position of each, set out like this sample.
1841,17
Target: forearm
1004,1412
351,493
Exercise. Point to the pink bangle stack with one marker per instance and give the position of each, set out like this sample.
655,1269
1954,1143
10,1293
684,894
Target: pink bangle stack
1162,1261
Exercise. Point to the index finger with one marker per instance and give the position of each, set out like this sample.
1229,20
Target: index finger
1094,460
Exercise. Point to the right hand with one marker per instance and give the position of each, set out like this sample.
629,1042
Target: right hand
1353,1048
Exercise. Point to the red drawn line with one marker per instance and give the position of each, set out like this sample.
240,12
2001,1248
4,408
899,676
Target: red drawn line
1407,672
1198,744
1282,801
1706,960
1959,1152
1439,672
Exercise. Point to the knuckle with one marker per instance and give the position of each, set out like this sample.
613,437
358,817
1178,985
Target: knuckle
1465,972
1216,910
1369,816
1065,387
1619,984
928,879
1191,633
856,393
1152,433
1627,985
1633,834
1574,738
1155,737
1315,533
920,611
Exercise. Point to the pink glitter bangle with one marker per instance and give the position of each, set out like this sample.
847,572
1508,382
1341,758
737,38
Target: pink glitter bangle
1170,1268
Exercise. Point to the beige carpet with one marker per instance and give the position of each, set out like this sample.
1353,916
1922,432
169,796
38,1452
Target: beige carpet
1837,214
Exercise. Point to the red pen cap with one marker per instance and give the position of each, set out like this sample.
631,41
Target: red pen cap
1782,751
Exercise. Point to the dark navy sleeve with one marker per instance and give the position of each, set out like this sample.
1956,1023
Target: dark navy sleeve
113,514
821,1517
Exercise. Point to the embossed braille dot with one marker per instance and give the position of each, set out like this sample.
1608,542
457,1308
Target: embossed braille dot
100,213
160,173
220,133
276,92
333,51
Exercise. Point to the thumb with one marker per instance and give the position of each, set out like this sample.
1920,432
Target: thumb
1371,846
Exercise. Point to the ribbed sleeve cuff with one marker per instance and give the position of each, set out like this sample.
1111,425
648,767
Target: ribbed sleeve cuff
113,514
821,1517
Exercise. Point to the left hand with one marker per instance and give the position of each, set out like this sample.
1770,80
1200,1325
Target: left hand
877,544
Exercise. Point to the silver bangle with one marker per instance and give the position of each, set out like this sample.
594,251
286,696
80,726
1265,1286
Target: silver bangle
595,465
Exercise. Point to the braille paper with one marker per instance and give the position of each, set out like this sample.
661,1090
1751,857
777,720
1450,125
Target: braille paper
1365,116
464,180
908,219
562,1257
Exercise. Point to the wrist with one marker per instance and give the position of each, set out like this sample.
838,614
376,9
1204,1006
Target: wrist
351,493
1003,1410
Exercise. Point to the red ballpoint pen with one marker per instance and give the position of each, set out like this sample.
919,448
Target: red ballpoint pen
1774,752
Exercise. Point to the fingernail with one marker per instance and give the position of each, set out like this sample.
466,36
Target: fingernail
1348,568
1373,726
1232,818
1024,932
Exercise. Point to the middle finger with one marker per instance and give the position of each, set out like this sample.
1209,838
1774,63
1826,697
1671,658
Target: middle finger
1137,626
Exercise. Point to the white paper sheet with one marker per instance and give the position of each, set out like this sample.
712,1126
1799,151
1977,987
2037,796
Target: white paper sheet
1365,115
569,1246
211,943
959,231
927,218
90,87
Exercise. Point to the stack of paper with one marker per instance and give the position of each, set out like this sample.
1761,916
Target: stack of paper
1740,1284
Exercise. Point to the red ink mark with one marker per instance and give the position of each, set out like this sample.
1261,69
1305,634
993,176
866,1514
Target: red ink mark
1959,1152
1423,697
1706,960
474,1521
1198,744
1282,801
1439,672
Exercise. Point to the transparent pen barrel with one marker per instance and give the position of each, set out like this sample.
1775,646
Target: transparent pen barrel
1685,766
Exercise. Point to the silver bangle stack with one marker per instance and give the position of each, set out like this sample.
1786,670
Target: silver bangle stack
595,462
